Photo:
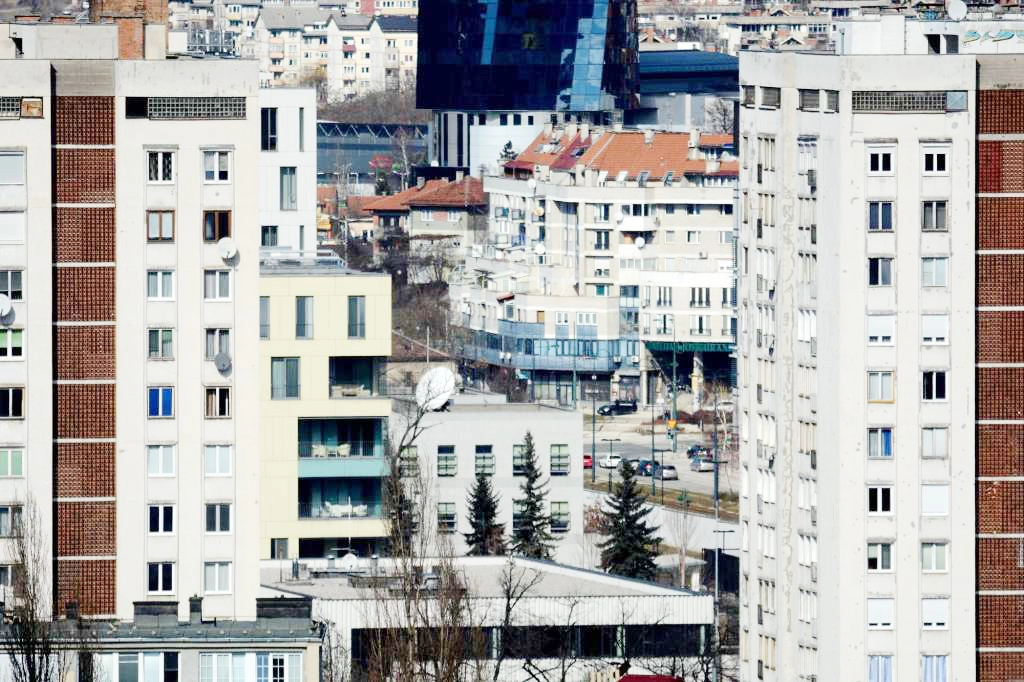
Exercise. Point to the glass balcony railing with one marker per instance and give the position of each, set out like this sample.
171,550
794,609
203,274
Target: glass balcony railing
341,510
356,448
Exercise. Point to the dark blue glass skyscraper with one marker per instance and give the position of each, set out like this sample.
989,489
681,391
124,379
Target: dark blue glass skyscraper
527,55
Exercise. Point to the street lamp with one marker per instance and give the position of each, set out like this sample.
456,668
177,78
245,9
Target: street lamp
654,471
610,441
593,428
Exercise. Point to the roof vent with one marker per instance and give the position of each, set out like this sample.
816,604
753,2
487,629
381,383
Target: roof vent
648,137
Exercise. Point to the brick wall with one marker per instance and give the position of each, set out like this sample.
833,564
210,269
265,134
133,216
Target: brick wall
1000,506
86,529
83,120
998,278
84,235
999,222
1000,449
1000,111
85,469
1000,667
91,582
85,294
1000,336
85,352
1000,392
84,176
1000,563
85,411
1001,621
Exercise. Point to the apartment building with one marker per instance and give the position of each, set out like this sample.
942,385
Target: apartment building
608,257
125,301
288,213
484,435
325,333
879,247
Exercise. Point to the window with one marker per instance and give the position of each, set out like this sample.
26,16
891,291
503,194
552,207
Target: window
934,271
881,613
217,341
279,548
216,166
11,343
880,386
161,401
218,460
934,440
268,235
161,579
218,518
602,212
880,668
161,167
880,161
934,499
880,442
880,272
268,129
933,216
217,578
935,613
879,556
559,517
10,519
879,499
484,460
272,668
447,464
218,402
284,378
10,284
217,285
933,557
303,317
289,201
880,216
426,215
161,344
161,519
170,665
160,285
12,402
264,317
357,317
934,161
517,514
519,460
446,520
409,461
160,226
770,98
601,240
12,168
933,385
216,225
881,330
302,127
934,668
12,462
559,460
160,460
935,329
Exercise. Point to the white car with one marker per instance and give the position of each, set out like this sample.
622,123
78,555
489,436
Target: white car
611,462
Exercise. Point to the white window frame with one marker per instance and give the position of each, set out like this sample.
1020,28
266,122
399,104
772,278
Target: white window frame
426,215
9,350
162,156
217,394
881,279
21,179
216,335
884,616
218,518
217,451
930,383
162,589
162,507
8,455
222,572
162,277
884,153
162,449
876,548
159,332
937,155
935,499
220,276
885,379
930,437
882,330
931,551
876,441
935,613
878,491
929,279
935,329
216,155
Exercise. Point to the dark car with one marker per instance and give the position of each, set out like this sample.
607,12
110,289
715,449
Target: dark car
645,467
696,450
618,407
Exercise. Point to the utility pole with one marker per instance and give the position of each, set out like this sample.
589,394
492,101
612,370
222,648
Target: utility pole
675,416
593,429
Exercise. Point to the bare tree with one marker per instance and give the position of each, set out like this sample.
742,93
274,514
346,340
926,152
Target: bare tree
515,585
719,115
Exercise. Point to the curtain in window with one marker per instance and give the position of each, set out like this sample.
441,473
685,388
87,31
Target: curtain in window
879,668
934,668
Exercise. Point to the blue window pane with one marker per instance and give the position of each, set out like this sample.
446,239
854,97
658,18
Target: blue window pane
887,442
168,398
154,402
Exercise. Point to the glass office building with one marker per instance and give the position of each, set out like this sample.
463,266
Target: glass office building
527,55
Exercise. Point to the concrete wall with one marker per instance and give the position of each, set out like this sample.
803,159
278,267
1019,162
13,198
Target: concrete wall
296,229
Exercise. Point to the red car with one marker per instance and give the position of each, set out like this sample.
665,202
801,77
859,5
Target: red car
588,462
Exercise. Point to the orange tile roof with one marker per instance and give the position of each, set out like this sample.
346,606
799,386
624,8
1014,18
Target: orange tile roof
545,151
467,192
715,140
398,203
627,151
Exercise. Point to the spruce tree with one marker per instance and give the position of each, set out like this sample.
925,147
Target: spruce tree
488,536
532,538
632,544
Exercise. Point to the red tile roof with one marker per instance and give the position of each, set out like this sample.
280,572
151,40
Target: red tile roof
462,194
398,203
713,140
628,151
547,151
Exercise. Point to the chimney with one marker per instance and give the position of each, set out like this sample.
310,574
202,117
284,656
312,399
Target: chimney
548,129
695,137
570,131
195,610
711,166
26,19
617,128
648,137
150,613
584,131
420,181
459,175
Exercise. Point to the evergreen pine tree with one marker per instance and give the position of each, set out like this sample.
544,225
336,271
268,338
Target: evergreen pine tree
632,544
532,538
381,186
488,536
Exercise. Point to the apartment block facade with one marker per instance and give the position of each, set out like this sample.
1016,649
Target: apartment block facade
126,373
878,368
608,256
325,334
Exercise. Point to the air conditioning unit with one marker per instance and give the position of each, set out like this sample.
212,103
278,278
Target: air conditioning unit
814,516
617,359
635,359
814,573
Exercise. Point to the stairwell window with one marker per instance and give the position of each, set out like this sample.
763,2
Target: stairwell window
217,341
935,330
264,317
447,464
289,191
218,518
217,580
879,667
161,519
10,284
880,216
484,460
268,129
934,159
559,517
217,460
881,161
160,226
447,522
935,441
934,668
303,317
161,344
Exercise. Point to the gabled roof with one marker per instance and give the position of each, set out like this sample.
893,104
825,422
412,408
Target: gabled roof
292,18
546,150
398,203
715,140
462,194
352,22
391,24
629,152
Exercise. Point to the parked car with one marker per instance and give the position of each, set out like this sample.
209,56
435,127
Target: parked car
635,463
588,462
645,467
611,462
702,463
696,450
666,472
618,407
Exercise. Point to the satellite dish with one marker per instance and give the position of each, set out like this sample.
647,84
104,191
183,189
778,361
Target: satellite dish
435,389
539,211
540,249
622,213
5,305
222,361
227,248
957,10
640,242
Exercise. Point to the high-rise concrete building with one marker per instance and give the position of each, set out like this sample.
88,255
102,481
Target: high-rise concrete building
130,266
879,366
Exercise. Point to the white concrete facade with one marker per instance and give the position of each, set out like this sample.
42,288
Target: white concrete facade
287,197
856,367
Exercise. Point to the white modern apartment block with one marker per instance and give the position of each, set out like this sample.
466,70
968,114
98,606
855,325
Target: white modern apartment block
484,434
856,355
287,194
126,379
608,254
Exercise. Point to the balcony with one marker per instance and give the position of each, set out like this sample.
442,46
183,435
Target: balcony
344,448
340,499
355,377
